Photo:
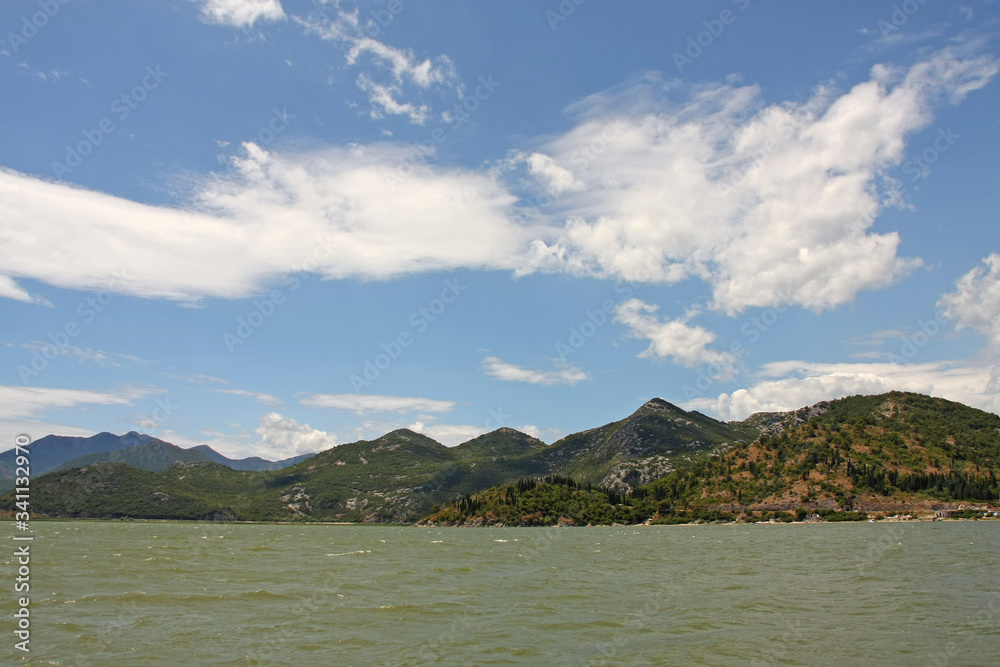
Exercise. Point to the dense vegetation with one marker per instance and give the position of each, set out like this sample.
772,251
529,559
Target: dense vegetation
864,452
396,478
661,464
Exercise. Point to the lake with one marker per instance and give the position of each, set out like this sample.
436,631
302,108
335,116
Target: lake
135,594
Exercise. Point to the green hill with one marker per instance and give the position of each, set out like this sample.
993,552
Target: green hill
660,463
653,441
398,477
888,453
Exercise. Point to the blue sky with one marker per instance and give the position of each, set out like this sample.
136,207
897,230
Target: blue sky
277,226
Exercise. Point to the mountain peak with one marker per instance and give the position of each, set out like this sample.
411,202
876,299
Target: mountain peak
660,404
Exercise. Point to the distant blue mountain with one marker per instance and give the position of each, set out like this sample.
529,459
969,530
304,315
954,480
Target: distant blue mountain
251,462
50,452
143,451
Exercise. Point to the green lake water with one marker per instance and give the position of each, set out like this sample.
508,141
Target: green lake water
174,594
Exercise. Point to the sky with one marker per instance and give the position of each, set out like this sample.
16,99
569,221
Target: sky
276,226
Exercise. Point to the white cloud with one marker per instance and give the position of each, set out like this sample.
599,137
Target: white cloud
449,435
406,69
338,212
975,303
563,373
198,378
402,63
383,101
673,339
282,437
29,402
796,384
767,203
241,13
257,396
372,403
100,357
548,435
11,290
556,178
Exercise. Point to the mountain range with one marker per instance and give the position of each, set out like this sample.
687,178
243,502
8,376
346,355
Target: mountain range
56,452
662,451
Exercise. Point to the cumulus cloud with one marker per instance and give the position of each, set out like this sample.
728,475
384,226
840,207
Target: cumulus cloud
767,203
372,403
547,435
563,373
282,437
672,339
793,384
449,435
555,178
241,13
656,182
975,304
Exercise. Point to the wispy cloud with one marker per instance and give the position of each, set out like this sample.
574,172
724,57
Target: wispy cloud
198,378
406,71
768,204
30,402
100,357
563,373
257,396
372,403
